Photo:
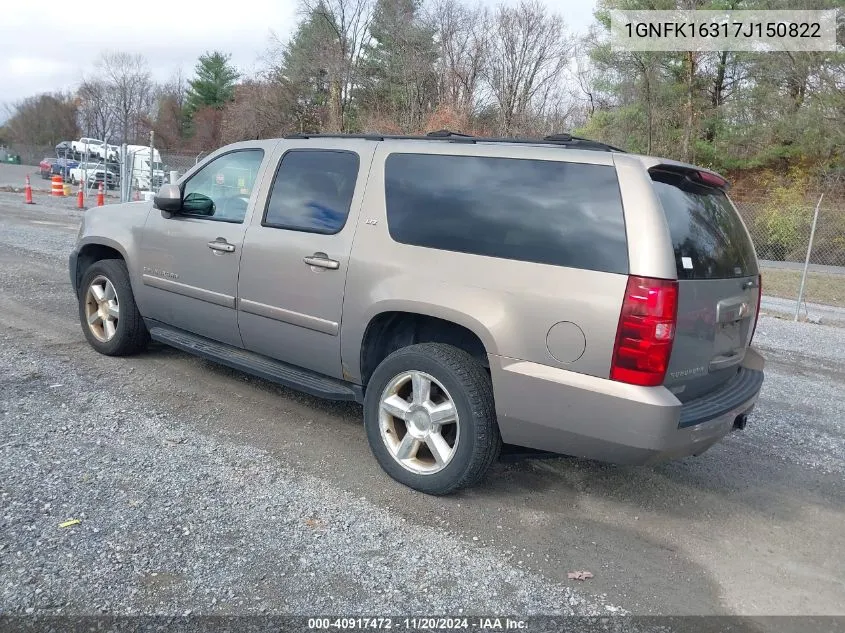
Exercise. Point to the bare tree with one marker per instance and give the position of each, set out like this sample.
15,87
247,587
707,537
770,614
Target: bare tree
169,118
96,115
130,90
262,108
177,88
464,43
588,76
529,52
691,59
348,23
42,120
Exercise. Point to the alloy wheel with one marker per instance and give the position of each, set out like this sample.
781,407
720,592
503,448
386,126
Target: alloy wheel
102,310
418,421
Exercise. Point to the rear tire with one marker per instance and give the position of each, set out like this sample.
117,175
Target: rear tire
107,312
428,452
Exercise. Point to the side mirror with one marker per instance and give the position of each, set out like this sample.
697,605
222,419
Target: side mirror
168,199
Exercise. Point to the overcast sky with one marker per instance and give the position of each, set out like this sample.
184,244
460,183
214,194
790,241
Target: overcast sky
46,49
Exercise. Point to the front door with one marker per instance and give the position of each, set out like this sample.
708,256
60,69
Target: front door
190,259
296,254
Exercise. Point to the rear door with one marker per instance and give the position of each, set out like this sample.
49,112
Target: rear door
296,254
718,281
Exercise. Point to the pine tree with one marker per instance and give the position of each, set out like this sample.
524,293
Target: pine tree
214,84
401,80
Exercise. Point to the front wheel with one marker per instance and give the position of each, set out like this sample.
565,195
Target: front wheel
430,418
110,319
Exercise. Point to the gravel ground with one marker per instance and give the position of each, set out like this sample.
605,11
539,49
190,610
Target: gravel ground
814,312
200,489
808,416
15,176
172,521
13,180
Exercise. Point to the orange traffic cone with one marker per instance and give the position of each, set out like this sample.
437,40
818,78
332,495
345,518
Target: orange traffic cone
101,196
80,198
28,192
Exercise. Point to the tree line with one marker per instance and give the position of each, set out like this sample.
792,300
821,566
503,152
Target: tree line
409,66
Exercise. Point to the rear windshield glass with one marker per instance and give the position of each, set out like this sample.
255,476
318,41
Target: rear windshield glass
549,212
708,237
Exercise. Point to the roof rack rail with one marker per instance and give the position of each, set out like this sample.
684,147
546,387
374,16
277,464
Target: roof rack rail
581,143
561,140
365,137
447,133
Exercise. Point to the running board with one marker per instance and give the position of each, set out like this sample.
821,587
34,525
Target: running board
276,371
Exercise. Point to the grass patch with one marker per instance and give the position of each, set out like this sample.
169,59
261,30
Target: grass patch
821,287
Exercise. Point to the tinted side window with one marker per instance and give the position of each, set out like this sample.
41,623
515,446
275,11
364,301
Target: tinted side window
312,191
564,214
709,239
223,186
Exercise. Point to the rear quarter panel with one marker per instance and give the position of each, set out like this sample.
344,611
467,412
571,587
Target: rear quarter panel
510,305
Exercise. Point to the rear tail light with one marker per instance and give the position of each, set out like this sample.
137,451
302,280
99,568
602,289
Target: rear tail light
646,331
711,179
759,301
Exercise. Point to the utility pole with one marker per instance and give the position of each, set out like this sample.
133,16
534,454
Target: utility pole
152,161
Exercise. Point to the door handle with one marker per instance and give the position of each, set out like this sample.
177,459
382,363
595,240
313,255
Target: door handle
222,246
720,362
321,260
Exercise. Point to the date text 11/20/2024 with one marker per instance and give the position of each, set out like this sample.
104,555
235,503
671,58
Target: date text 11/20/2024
419,624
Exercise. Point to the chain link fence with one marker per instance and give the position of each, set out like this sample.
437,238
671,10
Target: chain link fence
181,161
791,228
142,176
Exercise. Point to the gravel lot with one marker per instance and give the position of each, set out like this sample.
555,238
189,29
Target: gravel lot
15,176
13,179
200,489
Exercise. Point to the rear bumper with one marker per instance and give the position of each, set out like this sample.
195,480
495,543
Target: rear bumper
555,410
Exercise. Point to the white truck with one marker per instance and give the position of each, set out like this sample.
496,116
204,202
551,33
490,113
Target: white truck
90,147
94,149
91,174
138,157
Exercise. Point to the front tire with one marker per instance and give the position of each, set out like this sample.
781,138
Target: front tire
107,311
430,418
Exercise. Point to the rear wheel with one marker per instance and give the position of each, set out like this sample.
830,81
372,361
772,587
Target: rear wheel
430,418
110,319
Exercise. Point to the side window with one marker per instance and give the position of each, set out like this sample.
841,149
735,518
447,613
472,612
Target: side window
312,191
548,212
221,190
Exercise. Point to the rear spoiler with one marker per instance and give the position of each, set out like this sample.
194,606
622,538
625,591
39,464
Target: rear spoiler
700,175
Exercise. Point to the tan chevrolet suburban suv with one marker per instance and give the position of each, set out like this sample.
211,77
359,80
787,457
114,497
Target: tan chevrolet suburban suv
556,294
